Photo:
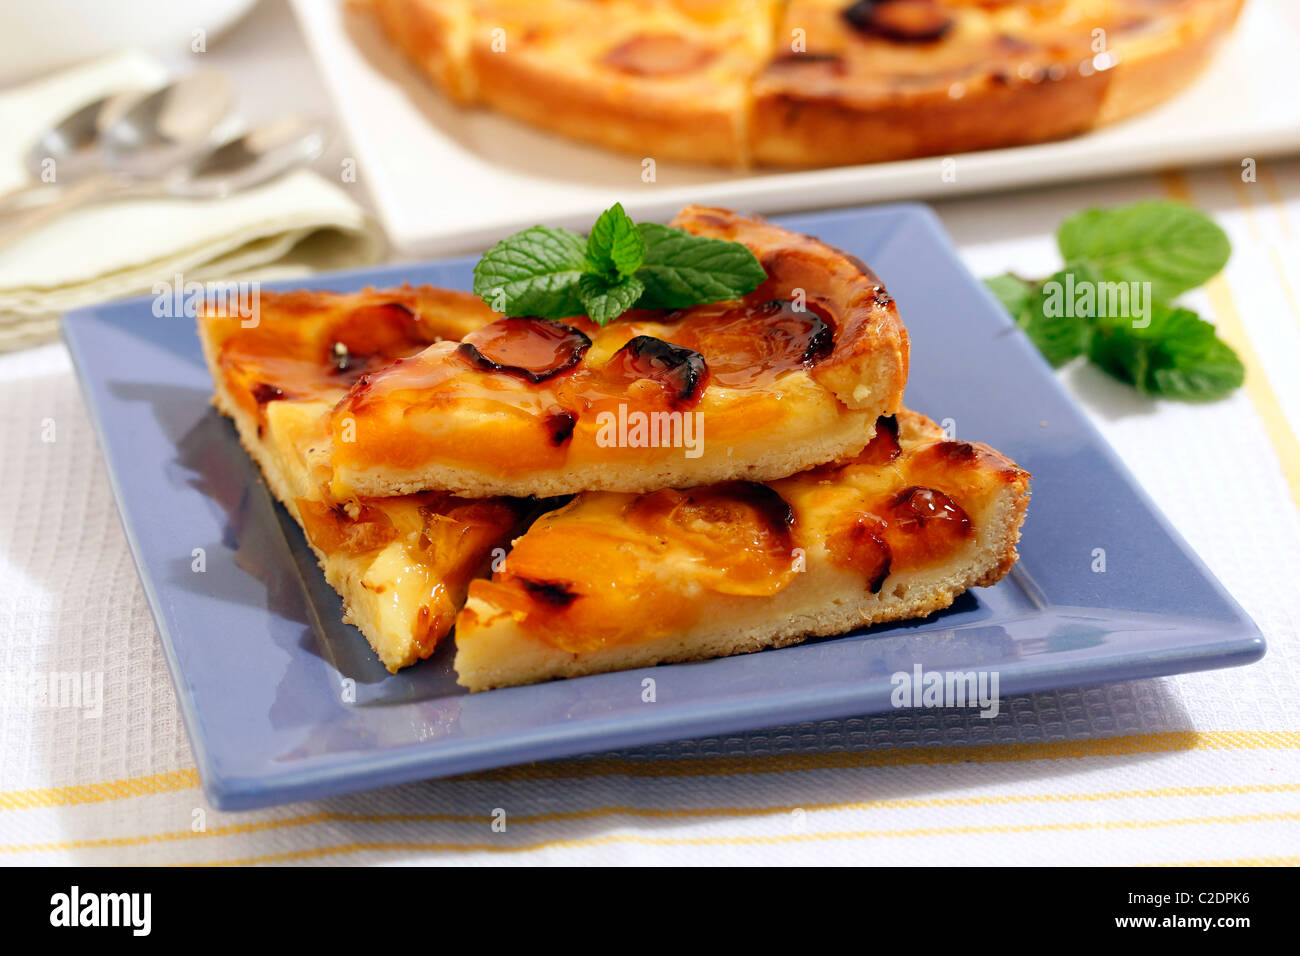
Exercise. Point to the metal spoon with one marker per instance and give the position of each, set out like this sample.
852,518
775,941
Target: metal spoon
256,157
71,145
154,135
166,127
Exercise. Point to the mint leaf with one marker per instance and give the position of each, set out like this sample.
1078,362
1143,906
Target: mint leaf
1178,355
1016,294
603,300
615,247
1212,373
533,272
1052,321
1170,245
555,273
682,270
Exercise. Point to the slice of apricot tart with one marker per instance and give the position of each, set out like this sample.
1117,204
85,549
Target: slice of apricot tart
790,376
402,564
613,581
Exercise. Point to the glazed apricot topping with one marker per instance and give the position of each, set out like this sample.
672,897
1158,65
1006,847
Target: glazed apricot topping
910,529
530,348
903,21
373,336
332,530
753,344
680,371
923,525
272,366
742,530
857,540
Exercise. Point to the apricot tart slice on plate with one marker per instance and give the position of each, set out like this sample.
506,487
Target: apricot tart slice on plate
614,581
792,375
403,564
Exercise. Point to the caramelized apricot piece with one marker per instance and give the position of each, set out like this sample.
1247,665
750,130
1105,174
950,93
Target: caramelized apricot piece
903,21
922,526
754,343
856,540
742,531
533,349
372,336
332,530
682,372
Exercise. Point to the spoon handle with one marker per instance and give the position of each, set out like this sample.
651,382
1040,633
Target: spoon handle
25,196
86,191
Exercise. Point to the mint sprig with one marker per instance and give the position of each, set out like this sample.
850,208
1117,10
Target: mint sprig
1167,351
1170,245
1178,355
555,274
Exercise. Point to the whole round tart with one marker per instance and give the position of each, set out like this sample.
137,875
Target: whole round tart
809,82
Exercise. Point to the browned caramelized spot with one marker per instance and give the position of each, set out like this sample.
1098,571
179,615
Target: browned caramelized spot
331,529
956,451
831,63
657,54
750,344
902,21
1007,43
883,447
680,371
556,594
559,425
264,393
533,349
856,540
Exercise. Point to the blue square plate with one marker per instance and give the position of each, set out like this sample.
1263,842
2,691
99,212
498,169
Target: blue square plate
259,656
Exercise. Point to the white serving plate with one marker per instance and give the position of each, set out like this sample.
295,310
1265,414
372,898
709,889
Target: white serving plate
452,180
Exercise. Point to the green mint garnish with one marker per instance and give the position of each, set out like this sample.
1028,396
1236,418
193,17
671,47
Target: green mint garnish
681,270
555,274
534,272
1166,351
1170,245
1178,356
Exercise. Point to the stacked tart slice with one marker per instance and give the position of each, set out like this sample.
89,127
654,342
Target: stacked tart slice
577,498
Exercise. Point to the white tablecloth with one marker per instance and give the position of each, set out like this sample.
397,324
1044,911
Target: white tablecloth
1189,769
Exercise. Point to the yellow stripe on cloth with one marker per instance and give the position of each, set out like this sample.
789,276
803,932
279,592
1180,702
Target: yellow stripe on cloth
1228,321
1165,742
596,813
833,835
1244,861
99,792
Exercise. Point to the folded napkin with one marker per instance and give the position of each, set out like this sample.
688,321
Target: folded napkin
292,226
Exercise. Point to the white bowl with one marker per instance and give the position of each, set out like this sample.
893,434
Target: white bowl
48,34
